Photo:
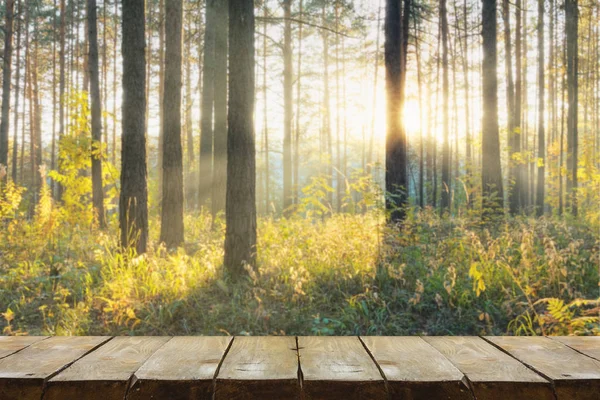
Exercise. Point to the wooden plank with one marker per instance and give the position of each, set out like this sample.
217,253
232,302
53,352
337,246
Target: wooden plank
575,376
415,370
104,374
12,344
492,374
259,368
338,367
184,368
588,345
22,375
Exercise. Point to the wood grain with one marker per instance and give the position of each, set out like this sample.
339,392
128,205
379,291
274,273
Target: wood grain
415,370
338,367
182,369
492,374
575,376
12,344
23,374
259,368
588,345
103,374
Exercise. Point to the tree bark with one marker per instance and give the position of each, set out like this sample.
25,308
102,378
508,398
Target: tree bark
205,171
513,137
571,27
493,196
133,201
61,87
541,160
17,93
396,162
171,228
446,183
6,85
240,235
96,102
288,105
219,178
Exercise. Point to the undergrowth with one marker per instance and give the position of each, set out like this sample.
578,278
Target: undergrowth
340,274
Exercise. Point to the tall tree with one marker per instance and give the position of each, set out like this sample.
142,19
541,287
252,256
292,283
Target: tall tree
133,201
219,178
6,84
446,184
17,89
61,83
288,104
571,27
510,108
491,169
541,179
518,190
94,76
205,171
171,228
240,235
396,162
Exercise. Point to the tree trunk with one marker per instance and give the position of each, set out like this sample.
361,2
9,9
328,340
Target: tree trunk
493,196
266,115
326,143
161,92
205,171
94,76
219,178
571,27
518,130
133,201
171,228
6,86
369,160
288,105
114,132
298,104
446,183
61,87
513,137
541,178
17,92
240,235
396,162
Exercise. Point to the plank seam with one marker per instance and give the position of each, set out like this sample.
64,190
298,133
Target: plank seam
300,374
214,380
552,385
573,348
20,350
52,375
133,379
465,379
385,380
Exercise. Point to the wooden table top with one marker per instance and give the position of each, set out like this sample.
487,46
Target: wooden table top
277,367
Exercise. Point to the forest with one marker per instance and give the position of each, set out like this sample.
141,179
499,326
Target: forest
300,167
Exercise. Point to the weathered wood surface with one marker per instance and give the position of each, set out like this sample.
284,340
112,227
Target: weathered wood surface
105,373
12,344
574,375
184,368
338,368
23,374
415,370
588,345
259,368
407,368
492,373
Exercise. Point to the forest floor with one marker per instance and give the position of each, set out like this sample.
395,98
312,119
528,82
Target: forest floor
343,275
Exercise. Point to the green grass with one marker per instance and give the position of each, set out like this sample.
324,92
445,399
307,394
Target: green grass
342,275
